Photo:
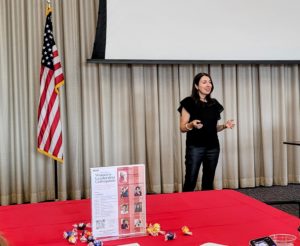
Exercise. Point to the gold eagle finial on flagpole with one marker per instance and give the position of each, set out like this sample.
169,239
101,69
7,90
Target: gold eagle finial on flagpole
48,9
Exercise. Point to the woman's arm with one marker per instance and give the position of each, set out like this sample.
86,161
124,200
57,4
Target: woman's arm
229,124
185,125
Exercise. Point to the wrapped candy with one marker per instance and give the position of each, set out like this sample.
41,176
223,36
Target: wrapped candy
71,236
154,230
81,226
170,236
86,236
96,243
90,239
67,234
186,231
79,231
72,239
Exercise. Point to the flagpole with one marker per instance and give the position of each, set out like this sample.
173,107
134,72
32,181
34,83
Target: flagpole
55,161
55,180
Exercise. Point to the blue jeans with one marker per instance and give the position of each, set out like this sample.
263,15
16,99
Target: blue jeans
194,157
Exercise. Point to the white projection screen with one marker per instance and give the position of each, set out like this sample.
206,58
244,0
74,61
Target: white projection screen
198,31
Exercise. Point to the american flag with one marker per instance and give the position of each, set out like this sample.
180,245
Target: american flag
49,132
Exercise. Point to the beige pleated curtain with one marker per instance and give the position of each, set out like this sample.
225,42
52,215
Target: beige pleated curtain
127,114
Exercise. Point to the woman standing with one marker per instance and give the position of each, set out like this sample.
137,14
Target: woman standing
199,115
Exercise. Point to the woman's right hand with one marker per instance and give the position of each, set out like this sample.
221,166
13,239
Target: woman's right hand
197,124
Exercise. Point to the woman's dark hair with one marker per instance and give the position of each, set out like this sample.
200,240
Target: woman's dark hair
195,93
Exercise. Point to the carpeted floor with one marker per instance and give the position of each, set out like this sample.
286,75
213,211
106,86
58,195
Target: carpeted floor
277,195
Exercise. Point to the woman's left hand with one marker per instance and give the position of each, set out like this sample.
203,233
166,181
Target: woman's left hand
230,124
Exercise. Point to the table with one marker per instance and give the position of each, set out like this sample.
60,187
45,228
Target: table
287,201
221,216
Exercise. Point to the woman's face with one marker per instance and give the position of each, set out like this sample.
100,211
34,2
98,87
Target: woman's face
204,86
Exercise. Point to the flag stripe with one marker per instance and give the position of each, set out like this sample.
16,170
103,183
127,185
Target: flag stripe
46,105
49,118
44,87
54,121
56,150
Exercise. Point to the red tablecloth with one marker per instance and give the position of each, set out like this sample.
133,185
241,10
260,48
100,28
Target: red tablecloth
225,217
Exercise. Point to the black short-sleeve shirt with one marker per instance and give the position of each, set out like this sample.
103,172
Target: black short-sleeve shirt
209,114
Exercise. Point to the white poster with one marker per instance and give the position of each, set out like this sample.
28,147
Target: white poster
118,201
